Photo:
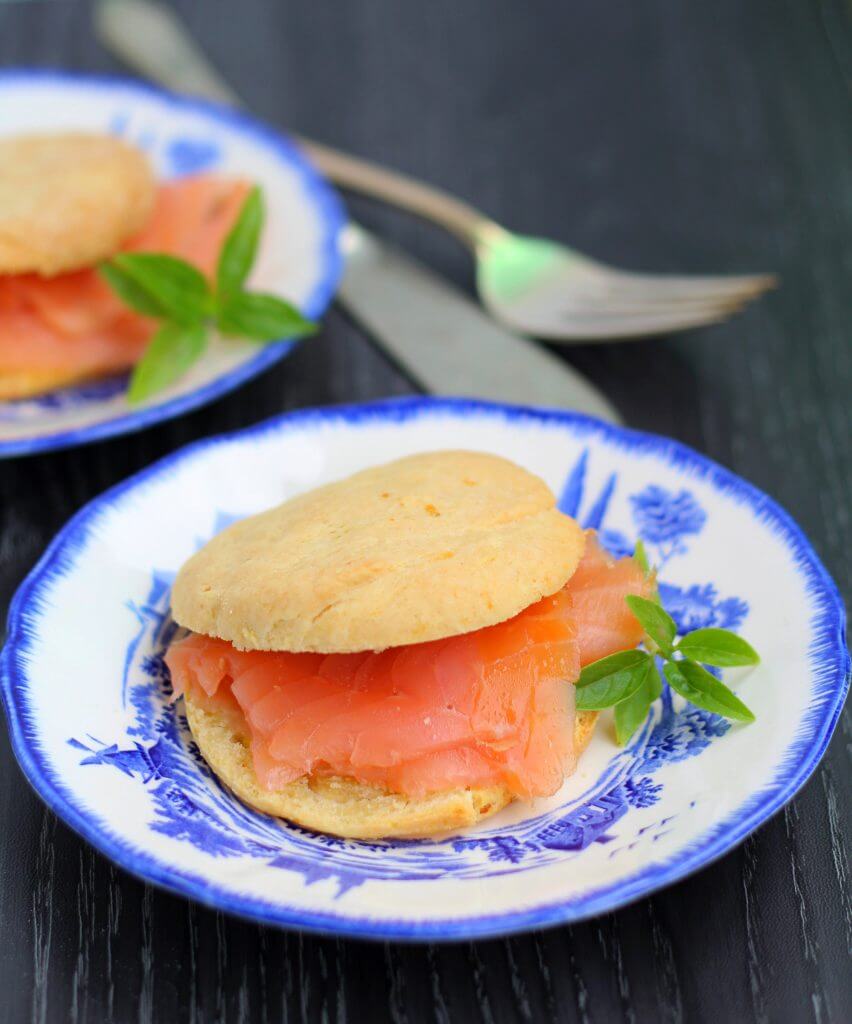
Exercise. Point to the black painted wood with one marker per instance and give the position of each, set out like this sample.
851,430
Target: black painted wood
663,135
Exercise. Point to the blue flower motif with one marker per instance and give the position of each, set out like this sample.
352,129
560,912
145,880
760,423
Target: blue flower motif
642,792
679,736
665,744
731,612
698,607
616,543
662,517
505,849
189,156
705,725
154,665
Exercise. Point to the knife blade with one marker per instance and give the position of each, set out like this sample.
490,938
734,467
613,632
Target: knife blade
431,329
444,341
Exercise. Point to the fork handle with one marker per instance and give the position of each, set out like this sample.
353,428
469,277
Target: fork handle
150,37
459,218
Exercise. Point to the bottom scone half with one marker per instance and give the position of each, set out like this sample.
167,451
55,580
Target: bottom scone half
343,806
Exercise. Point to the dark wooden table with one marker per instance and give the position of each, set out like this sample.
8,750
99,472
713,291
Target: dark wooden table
666,135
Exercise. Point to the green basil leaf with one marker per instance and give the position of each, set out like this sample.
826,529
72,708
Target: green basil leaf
262,318
655,683
632,712
131,293
613,663
170,353
655,620
640,556
178,287
705,691
718,647
611,680
240,247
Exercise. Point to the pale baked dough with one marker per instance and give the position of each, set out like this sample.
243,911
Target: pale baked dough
342,806
427,547
69,200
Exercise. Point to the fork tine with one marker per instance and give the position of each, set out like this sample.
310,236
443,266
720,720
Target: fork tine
599,290
602,325
546,312
672,288
621,303
597,283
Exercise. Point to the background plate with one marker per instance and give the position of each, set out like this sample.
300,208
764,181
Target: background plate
299,257
87,700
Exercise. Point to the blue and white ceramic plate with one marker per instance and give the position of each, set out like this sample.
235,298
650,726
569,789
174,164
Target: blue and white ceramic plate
299,258
88,701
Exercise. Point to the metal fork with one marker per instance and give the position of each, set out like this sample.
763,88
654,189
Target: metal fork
535,285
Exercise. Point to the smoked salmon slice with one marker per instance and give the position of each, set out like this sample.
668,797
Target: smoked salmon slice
58,330
484,708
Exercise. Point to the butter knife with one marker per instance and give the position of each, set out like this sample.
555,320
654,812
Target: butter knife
445,342
431,329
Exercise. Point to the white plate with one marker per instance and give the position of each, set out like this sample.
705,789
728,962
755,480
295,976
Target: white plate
87,699
299,258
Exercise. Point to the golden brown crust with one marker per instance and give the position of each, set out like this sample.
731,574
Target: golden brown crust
426,547
68,201
584,727
340,806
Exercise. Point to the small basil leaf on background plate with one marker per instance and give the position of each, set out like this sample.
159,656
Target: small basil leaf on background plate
704,690
178,287
131,293
240,247
262,318
655,620
610,680
170,353
718,647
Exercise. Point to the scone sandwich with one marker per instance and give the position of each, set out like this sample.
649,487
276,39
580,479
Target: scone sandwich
393,654
69,201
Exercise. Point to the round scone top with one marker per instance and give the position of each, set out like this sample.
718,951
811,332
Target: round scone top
68,201
423,548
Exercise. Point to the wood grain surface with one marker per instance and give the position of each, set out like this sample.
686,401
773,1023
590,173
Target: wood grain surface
688,136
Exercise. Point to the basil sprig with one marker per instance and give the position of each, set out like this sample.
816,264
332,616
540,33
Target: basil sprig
187,305
630,681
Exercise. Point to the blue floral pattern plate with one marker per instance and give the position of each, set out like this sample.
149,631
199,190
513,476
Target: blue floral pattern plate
89,710
299,257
